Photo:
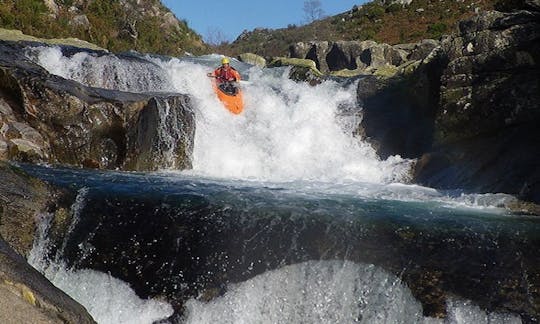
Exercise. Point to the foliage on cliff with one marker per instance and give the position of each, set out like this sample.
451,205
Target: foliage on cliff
379,20
118,25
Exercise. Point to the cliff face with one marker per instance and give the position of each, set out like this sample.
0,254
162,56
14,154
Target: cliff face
469,110
486,128
119,25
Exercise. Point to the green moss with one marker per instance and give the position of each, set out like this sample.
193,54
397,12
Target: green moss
345,73
386,71
436,30
284,61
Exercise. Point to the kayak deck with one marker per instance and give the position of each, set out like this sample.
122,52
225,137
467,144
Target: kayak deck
231,97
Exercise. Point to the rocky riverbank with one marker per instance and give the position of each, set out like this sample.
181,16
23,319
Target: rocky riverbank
467,106
45,118
26,296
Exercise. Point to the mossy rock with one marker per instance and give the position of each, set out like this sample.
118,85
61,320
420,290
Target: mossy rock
409,67
305,74
252,59
285,61
345,73
17,35
385,71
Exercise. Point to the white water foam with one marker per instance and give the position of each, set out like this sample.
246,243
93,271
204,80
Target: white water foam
107,299
289,131
328,292
102,70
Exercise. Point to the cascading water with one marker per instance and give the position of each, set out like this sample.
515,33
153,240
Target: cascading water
282,217
288,132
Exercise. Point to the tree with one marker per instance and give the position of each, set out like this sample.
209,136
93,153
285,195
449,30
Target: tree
313,10
215,37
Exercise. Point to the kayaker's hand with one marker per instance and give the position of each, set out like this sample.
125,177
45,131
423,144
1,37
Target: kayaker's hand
209,74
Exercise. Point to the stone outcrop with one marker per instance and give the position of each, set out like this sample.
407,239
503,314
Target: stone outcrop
467,108
17,35
362,57
486,134
26,296
45,118
398,112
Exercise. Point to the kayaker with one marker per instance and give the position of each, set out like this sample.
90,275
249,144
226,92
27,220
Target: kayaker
225,73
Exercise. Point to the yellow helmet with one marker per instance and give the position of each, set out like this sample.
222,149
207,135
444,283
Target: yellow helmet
225,61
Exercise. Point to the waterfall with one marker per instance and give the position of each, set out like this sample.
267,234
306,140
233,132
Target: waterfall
107,299
289,131
285,216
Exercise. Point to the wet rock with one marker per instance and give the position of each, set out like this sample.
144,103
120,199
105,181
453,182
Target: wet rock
21,199
301,69
398,109
54,120
162,136
26,296
458,255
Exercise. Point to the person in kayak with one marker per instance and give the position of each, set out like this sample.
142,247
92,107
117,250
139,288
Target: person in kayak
225,76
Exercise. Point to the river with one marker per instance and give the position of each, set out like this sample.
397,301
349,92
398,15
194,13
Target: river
286,217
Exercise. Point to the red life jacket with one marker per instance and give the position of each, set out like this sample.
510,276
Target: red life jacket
223,75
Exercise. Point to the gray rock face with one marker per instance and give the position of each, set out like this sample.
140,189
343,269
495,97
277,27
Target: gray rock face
486,129
49,119
353,55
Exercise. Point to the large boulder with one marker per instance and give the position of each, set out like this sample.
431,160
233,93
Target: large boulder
399,111
26,296
45,118
252,59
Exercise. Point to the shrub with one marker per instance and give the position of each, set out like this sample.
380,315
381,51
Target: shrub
436,30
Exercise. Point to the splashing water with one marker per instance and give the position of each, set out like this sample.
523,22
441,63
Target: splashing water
289,131
107,299
328,292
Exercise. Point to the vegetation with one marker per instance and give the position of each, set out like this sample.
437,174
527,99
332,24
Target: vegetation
378,20
107,23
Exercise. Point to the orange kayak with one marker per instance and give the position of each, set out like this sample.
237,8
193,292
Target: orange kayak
230,95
